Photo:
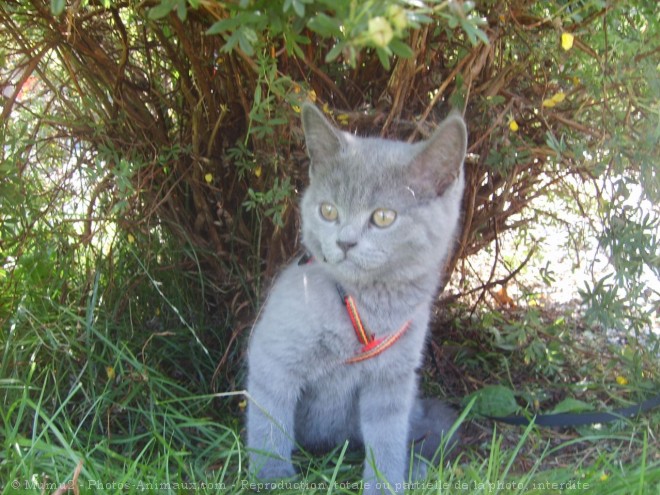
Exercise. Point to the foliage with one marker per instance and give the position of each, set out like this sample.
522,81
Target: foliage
545,361
151,157
81,408
132,422
183,115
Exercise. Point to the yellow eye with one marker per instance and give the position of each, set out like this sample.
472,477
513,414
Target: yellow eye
329,212
383,217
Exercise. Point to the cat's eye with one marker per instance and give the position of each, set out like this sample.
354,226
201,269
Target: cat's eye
383,217
329,212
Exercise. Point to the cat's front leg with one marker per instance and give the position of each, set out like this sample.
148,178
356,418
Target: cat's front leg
270,426
384,421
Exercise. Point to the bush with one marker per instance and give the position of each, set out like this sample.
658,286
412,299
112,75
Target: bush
160,136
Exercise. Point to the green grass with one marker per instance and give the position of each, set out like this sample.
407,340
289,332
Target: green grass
117,408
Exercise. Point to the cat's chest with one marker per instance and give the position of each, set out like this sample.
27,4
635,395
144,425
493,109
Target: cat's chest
308,330
352,331
335,327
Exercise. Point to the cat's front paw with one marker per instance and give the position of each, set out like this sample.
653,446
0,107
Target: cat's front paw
274,469
419,469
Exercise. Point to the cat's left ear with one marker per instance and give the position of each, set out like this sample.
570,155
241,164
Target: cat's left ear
440,160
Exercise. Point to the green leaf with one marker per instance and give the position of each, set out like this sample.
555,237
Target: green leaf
418,18
473,31
182,10
242,20
401,49
572,405
57,6
384,57
493,400
298,51
299,7
496,100
335,51
324,25
244,37
246,40
224,25
162,9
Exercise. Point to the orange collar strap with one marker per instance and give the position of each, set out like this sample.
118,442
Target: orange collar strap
371,346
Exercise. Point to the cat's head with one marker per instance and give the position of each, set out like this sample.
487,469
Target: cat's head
378,209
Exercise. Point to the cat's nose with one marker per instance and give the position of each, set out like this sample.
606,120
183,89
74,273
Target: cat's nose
346,245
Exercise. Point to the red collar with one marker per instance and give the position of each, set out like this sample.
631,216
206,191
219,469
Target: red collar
371,346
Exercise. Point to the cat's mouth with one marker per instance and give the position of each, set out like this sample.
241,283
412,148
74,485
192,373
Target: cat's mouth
336,260
351,264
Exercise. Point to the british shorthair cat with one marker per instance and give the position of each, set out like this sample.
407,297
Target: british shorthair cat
333,356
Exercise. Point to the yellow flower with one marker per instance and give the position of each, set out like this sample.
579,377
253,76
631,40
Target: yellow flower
380,31
208,178
604,477
513,125
257,171
131,238
311,94
622,380
557,98
296,108
567,41
110,372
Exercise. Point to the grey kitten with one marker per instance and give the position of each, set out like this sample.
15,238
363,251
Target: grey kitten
334,353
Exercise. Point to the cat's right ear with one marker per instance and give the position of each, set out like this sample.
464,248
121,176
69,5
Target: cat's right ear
322,138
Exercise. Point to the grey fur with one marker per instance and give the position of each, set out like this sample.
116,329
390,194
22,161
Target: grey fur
303,393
